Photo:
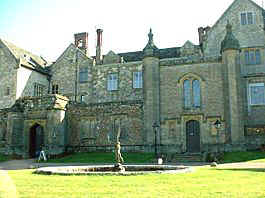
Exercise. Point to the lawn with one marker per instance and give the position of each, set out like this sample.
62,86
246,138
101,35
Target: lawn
204,182
250,156
97,157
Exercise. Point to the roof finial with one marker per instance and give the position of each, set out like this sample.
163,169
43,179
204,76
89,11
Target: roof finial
230,41
228,27
150,48
150,36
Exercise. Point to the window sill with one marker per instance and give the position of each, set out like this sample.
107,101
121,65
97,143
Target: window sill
257,105
83,82
116,90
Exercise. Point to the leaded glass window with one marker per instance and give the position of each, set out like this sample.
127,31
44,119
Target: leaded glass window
83,75
55,89
196,93
247,18
38,89
252,57
192,93
137,79
187,94
112,83
243,19
258,59
250,17
256,93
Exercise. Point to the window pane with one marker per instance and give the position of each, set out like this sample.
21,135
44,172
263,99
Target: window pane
137,79
257,94
83,75
196,93
187,94
243,19
112,83
258,60
252,57
246,57
250,18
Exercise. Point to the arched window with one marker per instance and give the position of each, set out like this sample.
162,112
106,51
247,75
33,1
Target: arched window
187,94
192,93
196,93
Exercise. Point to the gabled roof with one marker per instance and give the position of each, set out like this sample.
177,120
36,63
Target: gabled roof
71,45
26,58
228,9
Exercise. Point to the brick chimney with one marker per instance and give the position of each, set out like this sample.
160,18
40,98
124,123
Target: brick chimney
99,46
81,41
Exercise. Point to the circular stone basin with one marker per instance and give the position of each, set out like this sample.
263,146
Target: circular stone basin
109,170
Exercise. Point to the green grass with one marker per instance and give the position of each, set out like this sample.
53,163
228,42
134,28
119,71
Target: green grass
148,157
104,158
250,156
4,158
203,183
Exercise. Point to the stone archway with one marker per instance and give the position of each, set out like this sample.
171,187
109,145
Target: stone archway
36,140
193,136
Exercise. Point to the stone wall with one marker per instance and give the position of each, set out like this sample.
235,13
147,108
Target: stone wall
98,124
8,77
173,114
65,73
26,79
125,82
248,35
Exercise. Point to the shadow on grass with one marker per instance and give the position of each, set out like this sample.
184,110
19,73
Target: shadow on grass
242,169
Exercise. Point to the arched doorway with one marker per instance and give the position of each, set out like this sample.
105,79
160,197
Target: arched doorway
36,139
193,136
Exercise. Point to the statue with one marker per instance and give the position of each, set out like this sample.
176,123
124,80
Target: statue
118,157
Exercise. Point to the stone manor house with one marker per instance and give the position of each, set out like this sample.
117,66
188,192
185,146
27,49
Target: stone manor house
201,97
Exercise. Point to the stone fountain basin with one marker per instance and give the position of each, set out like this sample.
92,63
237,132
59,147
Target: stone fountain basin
109,170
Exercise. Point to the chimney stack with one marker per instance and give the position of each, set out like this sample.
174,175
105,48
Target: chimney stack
81,41
99,46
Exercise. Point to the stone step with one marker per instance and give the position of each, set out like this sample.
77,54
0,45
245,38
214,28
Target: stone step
185,158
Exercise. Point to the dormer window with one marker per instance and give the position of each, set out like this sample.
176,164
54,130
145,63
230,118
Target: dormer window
247,18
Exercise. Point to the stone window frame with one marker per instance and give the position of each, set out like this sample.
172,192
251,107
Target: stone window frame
192,77
257,59
117,82
247,19
140,85
253,84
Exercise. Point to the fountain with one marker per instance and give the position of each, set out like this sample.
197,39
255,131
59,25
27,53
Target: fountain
117,169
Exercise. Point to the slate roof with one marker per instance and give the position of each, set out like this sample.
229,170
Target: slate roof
26,58
173,52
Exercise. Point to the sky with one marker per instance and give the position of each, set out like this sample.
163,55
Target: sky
47,27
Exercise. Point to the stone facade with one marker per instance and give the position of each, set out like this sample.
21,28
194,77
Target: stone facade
184,90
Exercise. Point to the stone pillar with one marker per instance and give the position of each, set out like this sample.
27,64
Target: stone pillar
232,92
233,104
151,89
56,125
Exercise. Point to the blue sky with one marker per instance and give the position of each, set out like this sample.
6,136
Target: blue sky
46,27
